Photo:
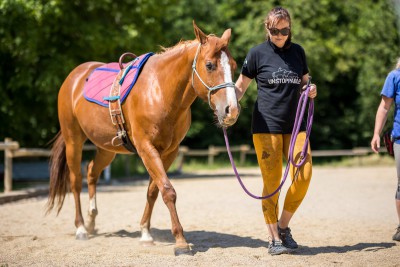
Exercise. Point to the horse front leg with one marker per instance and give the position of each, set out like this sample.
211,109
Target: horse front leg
152,194
169,196
157,169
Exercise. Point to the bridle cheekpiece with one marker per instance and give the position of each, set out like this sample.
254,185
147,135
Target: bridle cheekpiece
210,89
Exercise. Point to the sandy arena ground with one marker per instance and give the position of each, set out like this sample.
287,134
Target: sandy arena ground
347,219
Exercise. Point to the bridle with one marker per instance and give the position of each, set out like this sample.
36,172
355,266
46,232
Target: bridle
210,89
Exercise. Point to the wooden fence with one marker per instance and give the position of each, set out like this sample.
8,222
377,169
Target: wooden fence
12,150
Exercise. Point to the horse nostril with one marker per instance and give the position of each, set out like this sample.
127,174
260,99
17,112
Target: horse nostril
227,110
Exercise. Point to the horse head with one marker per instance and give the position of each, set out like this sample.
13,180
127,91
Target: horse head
213,67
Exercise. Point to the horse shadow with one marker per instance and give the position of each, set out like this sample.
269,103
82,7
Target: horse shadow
204,240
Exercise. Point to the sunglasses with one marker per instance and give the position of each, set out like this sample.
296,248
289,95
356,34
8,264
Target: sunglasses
275,31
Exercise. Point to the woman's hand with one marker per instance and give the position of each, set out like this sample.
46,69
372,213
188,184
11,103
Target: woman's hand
376,143
380,120
313,90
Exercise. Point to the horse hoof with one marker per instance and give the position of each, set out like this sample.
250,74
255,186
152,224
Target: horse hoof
81,233
147,243
183,251
81,236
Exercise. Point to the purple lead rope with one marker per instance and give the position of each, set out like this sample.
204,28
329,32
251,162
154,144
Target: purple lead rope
296,128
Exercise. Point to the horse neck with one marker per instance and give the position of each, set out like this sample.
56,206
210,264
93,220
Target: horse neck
176,72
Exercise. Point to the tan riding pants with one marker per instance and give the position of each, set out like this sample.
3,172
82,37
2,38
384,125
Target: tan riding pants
270,150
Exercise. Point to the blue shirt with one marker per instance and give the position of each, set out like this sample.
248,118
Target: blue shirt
391,89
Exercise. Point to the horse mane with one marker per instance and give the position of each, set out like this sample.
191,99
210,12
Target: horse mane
180,45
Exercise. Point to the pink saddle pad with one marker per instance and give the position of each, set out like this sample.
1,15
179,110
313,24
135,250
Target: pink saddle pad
99,82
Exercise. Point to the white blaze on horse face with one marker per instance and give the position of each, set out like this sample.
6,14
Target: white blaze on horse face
230,91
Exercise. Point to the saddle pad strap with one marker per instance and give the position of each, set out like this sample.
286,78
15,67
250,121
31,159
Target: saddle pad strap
114,106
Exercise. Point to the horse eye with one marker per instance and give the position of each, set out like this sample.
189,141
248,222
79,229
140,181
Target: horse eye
209,66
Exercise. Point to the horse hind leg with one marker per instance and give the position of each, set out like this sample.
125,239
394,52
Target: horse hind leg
102,159
74,157
152,194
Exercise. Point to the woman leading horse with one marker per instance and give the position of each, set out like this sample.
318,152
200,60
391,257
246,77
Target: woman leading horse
157,117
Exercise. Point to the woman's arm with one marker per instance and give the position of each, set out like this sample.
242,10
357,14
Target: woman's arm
380,120
242,84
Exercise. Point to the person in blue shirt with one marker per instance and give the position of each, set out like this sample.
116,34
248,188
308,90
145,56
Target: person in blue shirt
390,94
280,70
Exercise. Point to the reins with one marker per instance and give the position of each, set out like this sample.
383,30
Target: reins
296,128
210,89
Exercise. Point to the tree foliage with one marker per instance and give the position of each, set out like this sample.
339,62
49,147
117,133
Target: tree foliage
350,47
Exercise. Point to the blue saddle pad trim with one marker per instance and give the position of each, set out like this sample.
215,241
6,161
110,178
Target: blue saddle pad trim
110,77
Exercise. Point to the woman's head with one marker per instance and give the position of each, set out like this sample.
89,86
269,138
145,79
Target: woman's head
278,25
398,63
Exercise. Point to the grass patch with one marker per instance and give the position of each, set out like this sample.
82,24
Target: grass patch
370,160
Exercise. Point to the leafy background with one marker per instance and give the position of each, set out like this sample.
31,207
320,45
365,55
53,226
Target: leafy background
350,47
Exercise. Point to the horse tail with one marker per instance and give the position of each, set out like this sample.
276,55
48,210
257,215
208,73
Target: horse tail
59,174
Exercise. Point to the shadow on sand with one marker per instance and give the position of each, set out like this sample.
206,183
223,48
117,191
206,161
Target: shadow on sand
371,247
204,240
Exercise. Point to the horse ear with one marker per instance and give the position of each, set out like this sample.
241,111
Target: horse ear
226,37
200,36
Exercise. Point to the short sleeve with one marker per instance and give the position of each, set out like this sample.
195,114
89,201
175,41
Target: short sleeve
249,68
389,89
304,59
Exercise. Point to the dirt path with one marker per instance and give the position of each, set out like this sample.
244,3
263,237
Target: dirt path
347,219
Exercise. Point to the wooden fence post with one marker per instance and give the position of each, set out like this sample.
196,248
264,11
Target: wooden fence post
107,174
211,152
127,161
244,149
181,157
8,154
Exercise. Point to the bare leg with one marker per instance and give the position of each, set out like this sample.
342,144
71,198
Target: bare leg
398,209
396,148
273,231
102,159
283,224
285,219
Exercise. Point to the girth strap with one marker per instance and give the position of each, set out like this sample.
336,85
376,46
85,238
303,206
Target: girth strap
117,117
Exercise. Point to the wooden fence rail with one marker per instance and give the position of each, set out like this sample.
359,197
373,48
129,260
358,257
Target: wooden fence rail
12,150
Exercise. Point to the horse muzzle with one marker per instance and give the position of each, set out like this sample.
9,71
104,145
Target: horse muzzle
228,115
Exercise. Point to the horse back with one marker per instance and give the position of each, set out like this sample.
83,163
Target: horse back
72,86
79,117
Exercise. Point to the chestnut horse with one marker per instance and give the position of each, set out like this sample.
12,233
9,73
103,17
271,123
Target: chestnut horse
157,117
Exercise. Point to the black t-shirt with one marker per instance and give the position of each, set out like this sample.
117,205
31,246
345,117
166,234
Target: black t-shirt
278,73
